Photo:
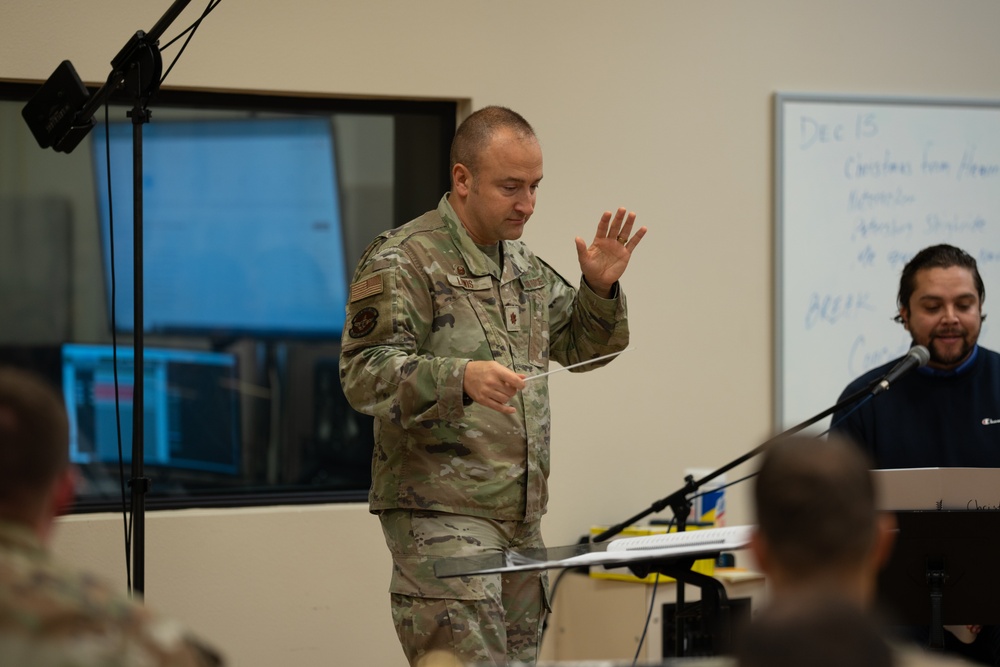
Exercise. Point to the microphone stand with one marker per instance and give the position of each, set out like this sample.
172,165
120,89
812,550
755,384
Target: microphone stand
678,500
141,59
680,505
136,70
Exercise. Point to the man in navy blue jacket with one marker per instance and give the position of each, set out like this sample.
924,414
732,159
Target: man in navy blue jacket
947,413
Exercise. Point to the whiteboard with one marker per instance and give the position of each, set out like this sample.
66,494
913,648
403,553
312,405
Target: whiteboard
861,185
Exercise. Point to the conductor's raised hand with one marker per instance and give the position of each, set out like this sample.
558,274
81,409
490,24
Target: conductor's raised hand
492,385
604,261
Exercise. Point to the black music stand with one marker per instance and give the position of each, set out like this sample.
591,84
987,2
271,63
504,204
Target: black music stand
716,612
943,570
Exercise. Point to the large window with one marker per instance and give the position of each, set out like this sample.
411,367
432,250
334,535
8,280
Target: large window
256,209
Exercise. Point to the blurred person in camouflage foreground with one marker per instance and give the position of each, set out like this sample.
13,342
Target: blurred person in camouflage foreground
51,615
447,316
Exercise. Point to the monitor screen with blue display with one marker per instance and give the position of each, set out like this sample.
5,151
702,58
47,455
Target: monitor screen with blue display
190,399
242,228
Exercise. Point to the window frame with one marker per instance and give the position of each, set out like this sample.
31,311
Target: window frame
420,170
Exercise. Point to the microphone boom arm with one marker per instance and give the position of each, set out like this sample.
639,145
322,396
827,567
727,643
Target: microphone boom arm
678,500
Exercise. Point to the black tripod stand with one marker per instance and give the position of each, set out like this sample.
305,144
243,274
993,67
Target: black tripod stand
60,115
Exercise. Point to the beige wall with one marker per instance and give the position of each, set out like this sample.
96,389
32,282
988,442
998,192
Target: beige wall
664,106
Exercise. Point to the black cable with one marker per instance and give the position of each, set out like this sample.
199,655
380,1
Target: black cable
652,605
552,600
190,30
854,407
114,351
649,615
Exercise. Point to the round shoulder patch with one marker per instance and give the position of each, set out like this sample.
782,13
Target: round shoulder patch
363,322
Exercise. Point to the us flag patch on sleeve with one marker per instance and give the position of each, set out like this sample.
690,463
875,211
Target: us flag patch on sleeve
366,288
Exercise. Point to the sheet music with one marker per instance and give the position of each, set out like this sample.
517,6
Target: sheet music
627,550
730,537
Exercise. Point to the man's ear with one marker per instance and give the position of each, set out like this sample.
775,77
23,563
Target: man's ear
885,538
461,180
904,314
758,548
65,491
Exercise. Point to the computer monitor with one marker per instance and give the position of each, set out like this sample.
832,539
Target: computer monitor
191,407
242,233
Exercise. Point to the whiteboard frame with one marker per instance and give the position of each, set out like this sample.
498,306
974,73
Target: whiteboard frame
780,100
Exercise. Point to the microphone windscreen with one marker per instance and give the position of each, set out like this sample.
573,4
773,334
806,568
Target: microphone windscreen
921,354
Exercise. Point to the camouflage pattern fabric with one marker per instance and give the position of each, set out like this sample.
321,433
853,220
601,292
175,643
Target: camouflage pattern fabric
51,616
424,301
479,620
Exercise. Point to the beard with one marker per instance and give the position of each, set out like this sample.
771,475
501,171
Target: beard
950,357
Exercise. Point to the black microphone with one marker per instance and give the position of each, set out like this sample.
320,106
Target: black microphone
917,356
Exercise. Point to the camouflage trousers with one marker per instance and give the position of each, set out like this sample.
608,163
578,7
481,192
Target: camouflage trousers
479,620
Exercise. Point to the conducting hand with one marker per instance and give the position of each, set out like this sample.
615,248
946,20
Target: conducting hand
606,259
492,385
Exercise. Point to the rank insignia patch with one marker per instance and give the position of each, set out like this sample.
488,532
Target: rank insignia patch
512,316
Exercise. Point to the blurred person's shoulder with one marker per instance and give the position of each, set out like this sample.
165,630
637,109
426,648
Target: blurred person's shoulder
914,656
51,614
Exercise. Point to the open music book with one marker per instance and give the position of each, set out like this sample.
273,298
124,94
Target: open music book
704,542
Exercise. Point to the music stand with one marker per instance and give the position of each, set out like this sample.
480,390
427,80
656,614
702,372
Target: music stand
716,612
942,570
675,561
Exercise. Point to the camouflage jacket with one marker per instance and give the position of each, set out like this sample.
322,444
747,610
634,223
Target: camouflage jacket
51,616
425,301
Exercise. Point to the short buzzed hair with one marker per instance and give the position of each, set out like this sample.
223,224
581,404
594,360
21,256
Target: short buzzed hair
815,503
34,437
476,131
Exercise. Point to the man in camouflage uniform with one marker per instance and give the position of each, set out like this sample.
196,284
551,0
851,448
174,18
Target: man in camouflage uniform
449,317
51,616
